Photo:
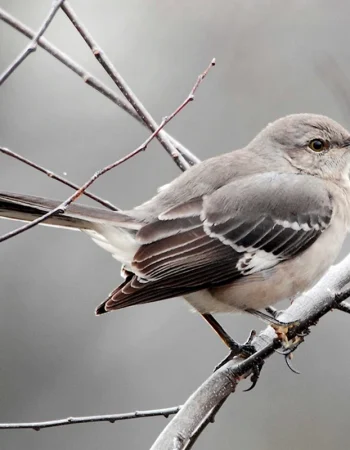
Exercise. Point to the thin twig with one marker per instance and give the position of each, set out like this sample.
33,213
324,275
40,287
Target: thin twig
124,88
60,209
32,46
341,296
90,80
56,177
339,300
37,426
344,307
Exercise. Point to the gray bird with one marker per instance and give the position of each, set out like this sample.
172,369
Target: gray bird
239,231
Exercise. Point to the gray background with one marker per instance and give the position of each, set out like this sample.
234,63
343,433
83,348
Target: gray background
56,358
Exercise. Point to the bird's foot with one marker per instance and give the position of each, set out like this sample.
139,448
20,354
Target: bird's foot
282,329
290,345
244,351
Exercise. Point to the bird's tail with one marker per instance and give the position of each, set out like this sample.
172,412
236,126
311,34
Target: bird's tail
112,230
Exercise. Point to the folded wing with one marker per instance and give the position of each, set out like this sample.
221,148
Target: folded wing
246,227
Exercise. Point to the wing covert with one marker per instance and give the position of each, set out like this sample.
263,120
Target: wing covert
245,227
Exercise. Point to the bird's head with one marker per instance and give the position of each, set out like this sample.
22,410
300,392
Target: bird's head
312,143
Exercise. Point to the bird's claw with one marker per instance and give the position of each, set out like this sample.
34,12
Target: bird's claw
256,370
288,359
244,351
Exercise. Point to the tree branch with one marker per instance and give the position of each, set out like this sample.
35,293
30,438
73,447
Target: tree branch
344,307
32,46
56,177
37,426
305,311
89,79
124,88
60,209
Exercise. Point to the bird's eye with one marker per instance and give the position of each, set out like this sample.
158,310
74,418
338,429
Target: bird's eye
317,145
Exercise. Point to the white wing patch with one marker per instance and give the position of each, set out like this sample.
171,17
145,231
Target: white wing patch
297,226
252,262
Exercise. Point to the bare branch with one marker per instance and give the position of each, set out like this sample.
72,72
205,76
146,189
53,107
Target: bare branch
90,80
32,46
56,177
37,426
340,298
124,88
344,307
64,205
305,312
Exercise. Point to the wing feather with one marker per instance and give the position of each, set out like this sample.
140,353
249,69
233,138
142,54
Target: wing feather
238,231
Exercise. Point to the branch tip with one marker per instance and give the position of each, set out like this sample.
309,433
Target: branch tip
112,418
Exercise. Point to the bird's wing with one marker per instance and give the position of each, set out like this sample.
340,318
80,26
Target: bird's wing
243,228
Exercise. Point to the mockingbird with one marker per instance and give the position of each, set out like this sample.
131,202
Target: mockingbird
239,231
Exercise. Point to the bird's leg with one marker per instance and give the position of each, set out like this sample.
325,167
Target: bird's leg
224,336
236,348
244,351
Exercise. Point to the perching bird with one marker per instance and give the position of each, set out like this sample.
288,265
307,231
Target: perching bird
239,231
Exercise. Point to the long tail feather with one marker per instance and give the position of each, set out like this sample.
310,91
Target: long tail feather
27,208
113,231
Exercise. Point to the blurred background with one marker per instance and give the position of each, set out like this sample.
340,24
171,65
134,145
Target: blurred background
56,358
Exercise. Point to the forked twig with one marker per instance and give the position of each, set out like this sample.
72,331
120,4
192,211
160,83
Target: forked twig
32,46
60,209
124,88
90,79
